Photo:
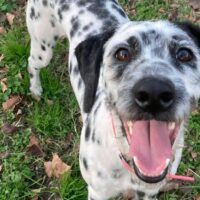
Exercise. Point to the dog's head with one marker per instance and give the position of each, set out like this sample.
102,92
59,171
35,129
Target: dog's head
150,72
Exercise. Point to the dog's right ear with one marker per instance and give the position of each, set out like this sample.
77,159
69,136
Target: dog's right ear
89,55
192,30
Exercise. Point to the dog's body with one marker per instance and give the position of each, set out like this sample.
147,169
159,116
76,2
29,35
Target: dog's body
109,59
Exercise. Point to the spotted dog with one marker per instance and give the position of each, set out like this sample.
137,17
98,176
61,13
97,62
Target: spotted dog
136,84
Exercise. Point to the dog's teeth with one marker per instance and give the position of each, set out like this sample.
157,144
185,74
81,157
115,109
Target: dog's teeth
167,162
130,125
171,125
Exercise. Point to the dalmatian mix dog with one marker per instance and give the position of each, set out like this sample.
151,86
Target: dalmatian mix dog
136,84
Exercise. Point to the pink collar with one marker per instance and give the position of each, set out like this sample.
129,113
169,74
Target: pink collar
131,170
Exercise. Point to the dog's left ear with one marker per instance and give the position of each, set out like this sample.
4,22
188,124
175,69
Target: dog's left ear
89,55
192,30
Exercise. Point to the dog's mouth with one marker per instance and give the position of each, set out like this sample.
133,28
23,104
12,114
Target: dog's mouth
150,147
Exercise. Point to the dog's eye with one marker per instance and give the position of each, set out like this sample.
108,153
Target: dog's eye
123,55
184,55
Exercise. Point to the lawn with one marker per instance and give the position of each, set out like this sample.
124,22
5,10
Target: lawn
31,131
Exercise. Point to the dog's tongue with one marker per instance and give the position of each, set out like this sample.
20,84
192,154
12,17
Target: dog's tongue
150,145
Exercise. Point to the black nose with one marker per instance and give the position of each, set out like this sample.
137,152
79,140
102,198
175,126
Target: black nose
154,95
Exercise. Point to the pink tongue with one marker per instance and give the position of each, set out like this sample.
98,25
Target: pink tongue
150,144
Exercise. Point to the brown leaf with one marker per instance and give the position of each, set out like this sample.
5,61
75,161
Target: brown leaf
2,30
198,197
1,167
195,4
11,103
56,167
9,129
10,18
1,57
4,84
194,155
34,148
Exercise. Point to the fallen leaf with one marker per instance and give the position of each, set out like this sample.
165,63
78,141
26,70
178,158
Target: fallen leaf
194,155
3,155
37,191
10,18
2,30
162,10
173,15
4,84
11,102
1,57
34,147
1,167
198,197
56,167
195,4
9,129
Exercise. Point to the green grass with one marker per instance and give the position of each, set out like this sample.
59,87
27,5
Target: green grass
56,118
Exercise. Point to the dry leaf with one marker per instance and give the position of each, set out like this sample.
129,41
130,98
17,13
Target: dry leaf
9,129
34,147
1,57
11,103
195,4
4,84
10,18
2,30
198,197
56,167
194,155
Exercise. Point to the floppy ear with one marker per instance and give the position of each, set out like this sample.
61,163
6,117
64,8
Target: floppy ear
89,55
192,30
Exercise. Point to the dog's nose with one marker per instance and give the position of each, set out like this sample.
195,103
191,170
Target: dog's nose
154,95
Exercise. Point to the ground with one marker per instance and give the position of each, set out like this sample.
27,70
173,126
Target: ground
32,131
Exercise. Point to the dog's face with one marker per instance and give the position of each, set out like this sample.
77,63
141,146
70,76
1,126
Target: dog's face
151,77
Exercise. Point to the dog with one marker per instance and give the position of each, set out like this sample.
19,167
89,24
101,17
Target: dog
136,84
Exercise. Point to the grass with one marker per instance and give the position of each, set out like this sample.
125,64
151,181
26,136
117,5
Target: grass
55,120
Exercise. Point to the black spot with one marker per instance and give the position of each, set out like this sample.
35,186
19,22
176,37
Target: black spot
45,3
44,41
70,68
40,57
75,70
81,12
119,10
98,142
153,196
32,14
145,38
87,132
85,164
31,75
79,84
97,107
43,47
55,37
75,26
60,14
99,174
140,195
52,23
65,7
85,28
116,173
93,136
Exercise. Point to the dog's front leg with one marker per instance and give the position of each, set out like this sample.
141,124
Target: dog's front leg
96,195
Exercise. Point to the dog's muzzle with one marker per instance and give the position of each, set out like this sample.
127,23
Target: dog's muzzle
150,140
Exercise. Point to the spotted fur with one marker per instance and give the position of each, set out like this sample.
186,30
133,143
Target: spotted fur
102,84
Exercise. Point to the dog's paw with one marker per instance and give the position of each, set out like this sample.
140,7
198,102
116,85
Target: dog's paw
36,92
